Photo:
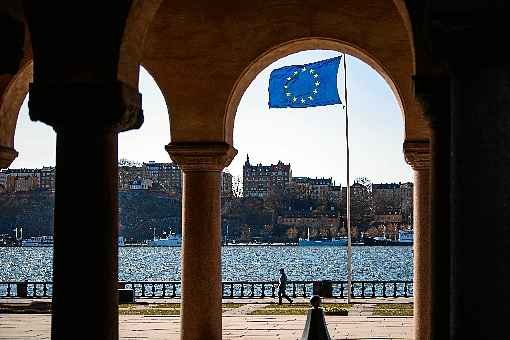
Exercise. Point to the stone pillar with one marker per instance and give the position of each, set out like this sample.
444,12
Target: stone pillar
481,199
87,118
434,95
417,154
201,164
7,156
442,229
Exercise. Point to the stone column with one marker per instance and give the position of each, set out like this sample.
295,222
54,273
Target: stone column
201,164
434,95
417,154
481,198
87,118
7,156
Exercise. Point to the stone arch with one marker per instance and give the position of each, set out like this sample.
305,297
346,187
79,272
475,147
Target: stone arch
298,45
11,101
10,104
137,24
204,61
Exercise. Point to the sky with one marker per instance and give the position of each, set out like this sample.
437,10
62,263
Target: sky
312,140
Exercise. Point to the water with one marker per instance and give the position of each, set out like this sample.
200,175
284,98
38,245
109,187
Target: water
239,263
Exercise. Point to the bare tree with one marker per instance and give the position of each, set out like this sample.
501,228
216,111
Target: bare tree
237,186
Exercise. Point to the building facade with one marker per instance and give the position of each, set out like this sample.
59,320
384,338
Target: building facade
263,180
226,184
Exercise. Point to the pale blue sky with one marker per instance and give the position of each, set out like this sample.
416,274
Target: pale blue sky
311,139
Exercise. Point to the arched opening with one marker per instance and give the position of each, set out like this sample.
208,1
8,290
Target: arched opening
311,142
29,205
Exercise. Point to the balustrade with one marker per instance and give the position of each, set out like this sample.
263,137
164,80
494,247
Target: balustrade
230,289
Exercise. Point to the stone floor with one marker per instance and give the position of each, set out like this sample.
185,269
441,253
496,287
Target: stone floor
37,326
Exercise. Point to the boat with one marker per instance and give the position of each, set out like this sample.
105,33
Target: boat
38,241
406,237
170,240
324,242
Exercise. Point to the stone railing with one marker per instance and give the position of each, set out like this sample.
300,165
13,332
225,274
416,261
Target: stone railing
232,290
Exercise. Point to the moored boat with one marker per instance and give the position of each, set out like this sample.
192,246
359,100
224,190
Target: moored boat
170,240
338,241
38,241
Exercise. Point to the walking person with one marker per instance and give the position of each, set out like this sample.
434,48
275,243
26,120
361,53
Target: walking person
282,282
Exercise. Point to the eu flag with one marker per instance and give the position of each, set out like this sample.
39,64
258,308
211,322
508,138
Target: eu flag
306,85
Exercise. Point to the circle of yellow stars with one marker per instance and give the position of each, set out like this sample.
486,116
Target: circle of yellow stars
304,98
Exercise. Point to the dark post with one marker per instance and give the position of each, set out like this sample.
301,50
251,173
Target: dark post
315,327
22,289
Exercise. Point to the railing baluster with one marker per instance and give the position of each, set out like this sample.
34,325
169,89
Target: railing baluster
246,289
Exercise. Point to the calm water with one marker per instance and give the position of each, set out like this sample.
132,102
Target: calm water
240,263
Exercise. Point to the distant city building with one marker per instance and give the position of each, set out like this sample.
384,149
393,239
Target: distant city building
386,197
310,221
391,200
128,174
163,176
226,184
312,188
262,180
167,175
18,180
141,184
335,195
388,217
48,178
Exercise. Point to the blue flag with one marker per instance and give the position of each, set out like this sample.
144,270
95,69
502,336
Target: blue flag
305,85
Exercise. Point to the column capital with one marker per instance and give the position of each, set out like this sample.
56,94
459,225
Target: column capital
7,155
417,154
83,105
212,156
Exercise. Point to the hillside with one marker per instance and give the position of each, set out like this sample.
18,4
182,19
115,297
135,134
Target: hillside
140,211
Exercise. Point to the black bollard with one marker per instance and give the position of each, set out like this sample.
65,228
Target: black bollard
315,327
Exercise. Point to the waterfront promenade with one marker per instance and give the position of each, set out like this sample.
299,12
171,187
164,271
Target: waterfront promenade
237,324
134,327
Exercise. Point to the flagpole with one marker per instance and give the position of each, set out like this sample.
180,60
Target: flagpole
349,245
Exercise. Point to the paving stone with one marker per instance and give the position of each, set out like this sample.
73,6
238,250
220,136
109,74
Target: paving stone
136,327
